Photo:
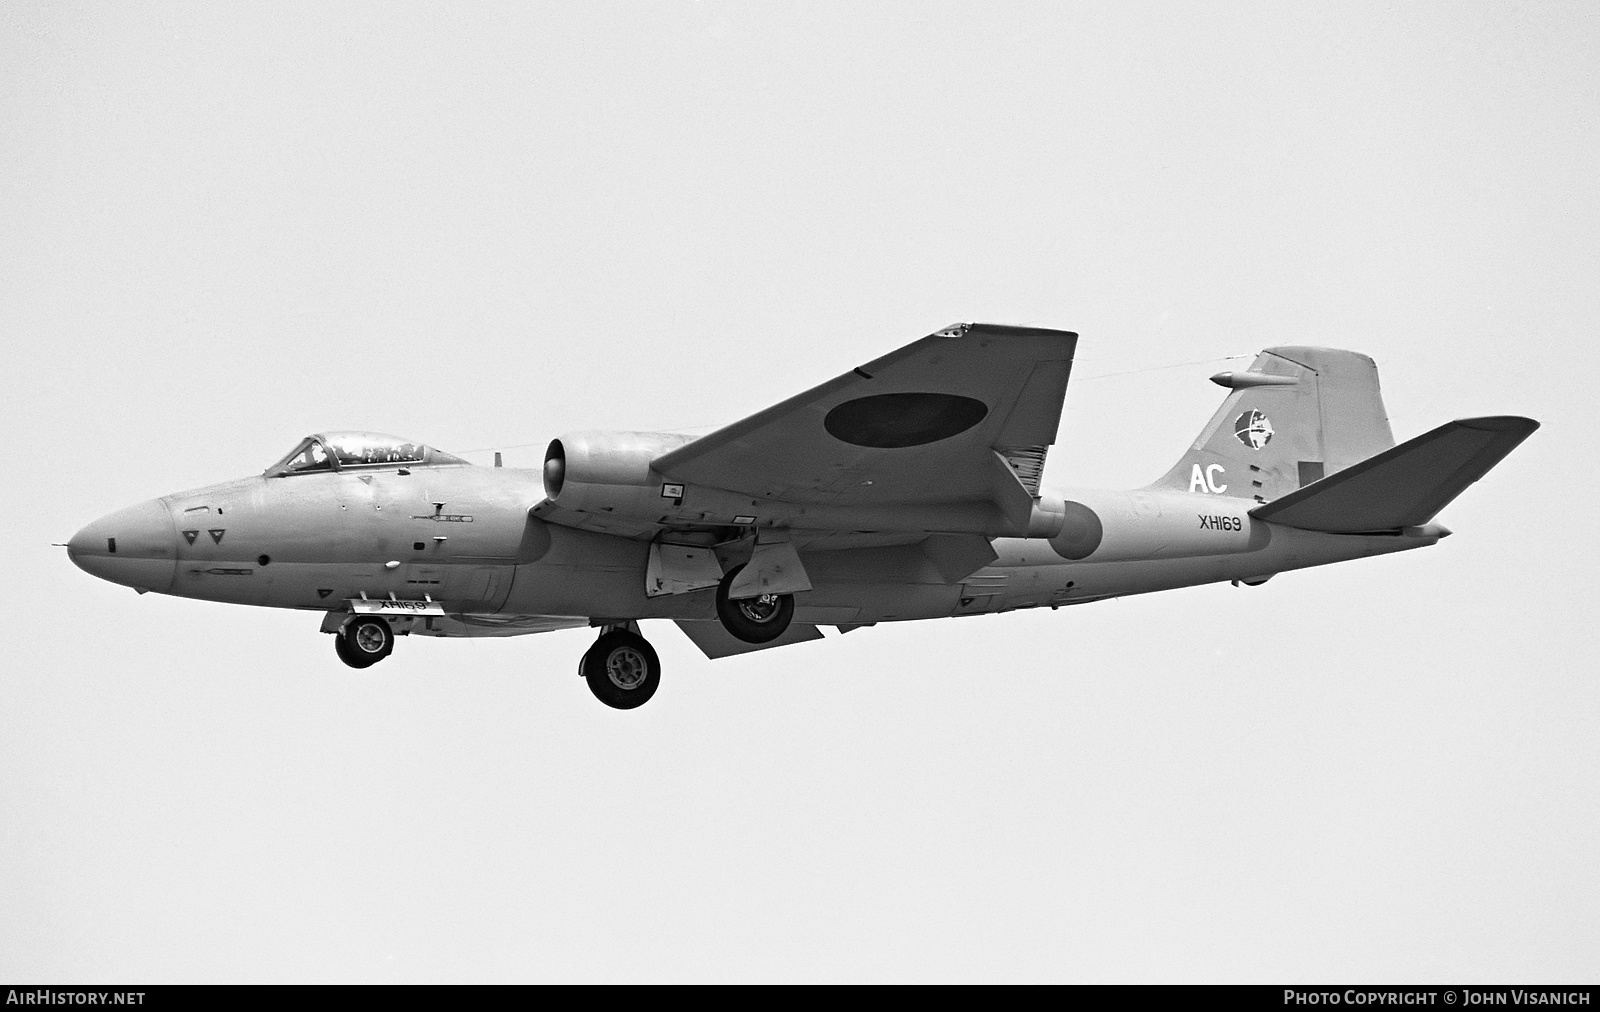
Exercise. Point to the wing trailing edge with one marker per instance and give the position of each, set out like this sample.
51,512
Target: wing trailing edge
1404,486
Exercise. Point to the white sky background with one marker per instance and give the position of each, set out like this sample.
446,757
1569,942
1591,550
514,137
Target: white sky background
223,227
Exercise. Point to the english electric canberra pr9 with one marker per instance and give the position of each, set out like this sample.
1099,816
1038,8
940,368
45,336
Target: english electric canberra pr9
905,489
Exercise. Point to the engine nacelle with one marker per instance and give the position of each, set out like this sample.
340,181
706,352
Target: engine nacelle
604,458
609,473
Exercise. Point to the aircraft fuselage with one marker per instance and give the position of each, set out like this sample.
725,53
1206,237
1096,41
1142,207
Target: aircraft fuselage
907,488
461,536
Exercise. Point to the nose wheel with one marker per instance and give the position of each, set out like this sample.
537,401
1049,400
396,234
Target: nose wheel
364,642
622,669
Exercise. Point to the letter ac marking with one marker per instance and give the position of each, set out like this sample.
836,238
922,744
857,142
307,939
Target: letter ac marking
1206,480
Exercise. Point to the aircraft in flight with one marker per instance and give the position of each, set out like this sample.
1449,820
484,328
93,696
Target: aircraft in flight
907,488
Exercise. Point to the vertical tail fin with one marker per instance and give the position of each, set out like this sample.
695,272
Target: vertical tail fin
1296,415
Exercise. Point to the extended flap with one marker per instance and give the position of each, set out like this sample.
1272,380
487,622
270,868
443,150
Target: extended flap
715,641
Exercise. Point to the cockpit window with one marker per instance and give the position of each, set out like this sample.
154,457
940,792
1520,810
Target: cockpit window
310,455
339,451
352,449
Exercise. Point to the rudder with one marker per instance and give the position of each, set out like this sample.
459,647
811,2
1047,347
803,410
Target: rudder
1297,415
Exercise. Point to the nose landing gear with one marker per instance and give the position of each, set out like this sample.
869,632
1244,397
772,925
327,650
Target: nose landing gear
621,668
364,642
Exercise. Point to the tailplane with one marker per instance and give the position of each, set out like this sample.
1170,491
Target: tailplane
1405,486
1296,416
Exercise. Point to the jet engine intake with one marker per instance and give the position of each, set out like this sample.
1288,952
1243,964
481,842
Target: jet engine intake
610,473
604,458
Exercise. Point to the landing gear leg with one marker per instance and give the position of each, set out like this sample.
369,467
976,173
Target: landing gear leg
364,642
622,669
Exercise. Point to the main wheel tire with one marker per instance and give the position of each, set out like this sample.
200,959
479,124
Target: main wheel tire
622,669
364,642
754,619
342,648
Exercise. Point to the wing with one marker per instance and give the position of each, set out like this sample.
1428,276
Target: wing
948,433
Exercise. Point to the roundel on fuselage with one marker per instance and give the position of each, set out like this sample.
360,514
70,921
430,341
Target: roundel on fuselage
892,421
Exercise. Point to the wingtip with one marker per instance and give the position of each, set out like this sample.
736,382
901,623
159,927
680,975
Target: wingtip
1007,330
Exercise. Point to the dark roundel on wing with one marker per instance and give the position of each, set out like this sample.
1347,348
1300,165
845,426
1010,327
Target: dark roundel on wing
891,421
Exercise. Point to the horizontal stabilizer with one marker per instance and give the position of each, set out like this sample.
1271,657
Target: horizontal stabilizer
1404,486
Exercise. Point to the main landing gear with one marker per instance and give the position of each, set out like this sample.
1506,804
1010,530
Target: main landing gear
621,668
364,642
759,619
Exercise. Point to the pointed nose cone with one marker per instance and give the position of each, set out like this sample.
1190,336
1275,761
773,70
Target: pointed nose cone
136,547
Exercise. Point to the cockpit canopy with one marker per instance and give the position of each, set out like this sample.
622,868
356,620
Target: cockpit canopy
344,451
